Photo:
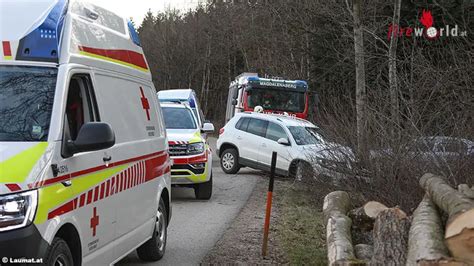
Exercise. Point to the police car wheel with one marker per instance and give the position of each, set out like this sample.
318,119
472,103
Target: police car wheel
203,191
154,248
59,253
230,161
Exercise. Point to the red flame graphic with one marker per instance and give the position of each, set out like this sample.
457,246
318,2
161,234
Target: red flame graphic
426,19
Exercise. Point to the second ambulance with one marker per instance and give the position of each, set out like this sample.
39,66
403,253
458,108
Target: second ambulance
188,147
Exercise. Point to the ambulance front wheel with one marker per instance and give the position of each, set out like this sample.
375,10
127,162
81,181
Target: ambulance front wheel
154,249
203,191
59,253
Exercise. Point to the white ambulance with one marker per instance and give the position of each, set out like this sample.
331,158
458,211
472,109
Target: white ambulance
84,167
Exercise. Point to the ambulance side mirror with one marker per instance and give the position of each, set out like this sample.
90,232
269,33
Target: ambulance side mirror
234,102
207,128
92,136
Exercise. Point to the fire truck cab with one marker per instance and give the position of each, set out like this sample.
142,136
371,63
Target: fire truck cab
276,96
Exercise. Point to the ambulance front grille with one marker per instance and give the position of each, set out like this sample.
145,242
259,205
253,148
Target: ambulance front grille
178,149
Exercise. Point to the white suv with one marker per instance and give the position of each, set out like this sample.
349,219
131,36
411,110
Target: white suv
249,139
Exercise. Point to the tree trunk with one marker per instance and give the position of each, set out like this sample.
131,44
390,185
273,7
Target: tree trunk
363,218
392,70
466,190
360,77
364,252
338,227
336,202
459,233
390,237
426,241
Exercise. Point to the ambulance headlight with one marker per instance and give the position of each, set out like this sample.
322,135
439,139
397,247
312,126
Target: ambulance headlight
195,148
17,210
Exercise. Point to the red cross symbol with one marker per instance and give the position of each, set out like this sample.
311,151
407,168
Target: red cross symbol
145,104
94,221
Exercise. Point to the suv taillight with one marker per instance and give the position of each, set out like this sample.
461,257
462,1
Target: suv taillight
221,131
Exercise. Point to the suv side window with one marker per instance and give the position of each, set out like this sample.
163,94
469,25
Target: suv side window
257,127
81,106
275,132
242,124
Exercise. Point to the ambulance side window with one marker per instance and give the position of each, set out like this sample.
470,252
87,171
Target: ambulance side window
81,106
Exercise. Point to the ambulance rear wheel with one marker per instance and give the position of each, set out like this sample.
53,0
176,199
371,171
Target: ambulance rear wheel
59,253
203,191
154,249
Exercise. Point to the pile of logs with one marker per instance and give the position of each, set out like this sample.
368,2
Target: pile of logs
440,231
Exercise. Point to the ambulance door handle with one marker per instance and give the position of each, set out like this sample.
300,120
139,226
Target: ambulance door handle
239,137
107,159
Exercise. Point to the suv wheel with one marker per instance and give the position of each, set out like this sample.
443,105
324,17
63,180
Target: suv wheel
303,169
203,191
230,161
154,249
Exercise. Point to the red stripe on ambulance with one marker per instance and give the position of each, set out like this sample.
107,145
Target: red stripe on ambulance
7,50
127,56
129,178
13,187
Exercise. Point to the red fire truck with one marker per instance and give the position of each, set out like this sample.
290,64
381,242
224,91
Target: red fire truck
278,96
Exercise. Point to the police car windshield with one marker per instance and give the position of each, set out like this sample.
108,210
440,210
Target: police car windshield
178,118
26,102
307,135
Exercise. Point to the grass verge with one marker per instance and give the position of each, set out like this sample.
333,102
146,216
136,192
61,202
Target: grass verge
300,227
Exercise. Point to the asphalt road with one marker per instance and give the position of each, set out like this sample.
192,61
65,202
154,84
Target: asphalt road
197,225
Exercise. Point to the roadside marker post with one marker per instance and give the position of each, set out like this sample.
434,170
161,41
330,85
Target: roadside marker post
269,205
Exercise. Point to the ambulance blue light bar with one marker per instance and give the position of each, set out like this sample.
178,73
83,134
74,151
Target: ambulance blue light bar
42,44
133,34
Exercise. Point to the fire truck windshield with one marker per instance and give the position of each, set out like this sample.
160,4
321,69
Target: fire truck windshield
277,99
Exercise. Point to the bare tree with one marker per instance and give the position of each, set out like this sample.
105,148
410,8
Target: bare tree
360,77
392,70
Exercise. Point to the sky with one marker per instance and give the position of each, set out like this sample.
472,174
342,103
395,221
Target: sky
136,9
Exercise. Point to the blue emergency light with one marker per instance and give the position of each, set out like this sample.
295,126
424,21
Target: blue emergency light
42,44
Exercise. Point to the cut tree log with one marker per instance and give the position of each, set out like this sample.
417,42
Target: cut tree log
363,218
336,202
390,237
338,228
459,233
466,190
364,252
426,239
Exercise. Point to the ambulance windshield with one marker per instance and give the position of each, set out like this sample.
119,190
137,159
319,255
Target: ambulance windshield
26,102
178,118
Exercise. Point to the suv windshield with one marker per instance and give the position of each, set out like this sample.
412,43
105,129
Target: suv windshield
178,118
277,99
307,135
26,102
